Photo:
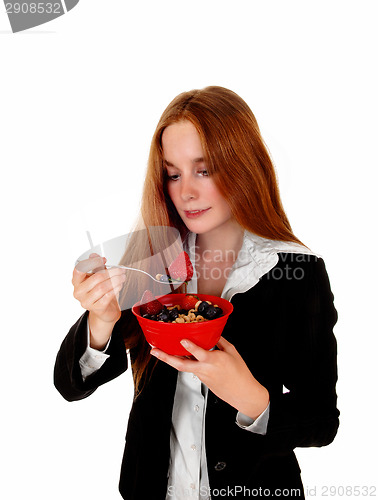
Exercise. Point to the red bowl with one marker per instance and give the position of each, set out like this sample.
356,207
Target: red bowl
167,336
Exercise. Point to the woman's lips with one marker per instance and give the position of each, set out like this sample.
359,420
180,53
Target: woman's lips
194,214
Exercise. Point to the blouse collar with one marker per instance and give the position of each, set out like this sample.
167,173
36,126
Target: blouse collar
256,258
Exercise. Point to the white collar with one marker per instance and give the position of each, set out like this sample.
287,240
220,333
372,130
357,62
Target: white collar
256,258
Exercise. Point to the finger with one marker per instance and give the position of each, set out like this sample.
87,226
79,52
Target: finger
78,277
103,274
82,268
97,285
180,363
88,265
197,351
95,255
110,297
96,279
114,292
103,288
224,345
101,265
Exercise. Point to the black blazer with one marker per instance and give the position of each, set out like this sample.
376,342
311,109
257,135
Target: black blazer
282,327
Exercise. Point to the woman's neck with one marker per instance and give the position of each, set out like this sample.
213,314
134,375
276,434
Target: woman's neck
224,243
216,253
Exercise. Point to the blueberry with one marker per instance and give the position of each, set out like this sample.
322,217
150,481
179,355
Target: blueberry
183,311
173,314
219,311
203,307
163,316
211,312
147,316
153,317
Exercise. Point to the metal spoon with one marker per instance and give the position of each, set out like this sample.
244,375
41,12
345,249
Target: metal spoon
170,281
96,264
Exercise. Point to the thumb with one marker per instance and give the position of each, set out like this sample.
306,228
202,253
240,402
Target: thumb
92,264
224,345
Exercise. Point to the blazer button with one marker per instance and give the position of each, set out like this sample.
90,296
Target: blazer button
220,466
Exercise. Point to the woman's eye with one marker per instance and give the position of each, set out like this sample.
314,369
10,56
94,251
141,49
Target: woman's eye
173,177
204,172
176,177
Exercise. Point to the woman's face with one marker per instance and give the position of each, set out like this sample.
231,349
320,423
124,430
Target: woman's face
197,199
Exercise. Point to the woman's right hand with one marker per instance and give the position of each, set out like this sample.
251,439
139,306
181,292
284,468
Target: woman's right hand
97,292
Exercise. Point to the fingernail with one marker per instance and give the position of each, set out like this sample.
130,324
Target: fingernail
184,343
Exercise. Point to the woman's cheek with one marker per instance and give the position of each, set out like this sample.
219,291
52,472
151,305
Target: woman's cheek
172,191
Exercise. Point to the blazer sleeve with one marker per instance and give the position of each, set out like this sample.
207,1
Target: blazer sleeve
67,374
306,415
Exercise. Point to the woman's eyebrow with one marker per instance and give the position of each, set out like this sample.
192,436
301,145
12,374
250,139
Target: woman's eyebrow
168,164
195,160
199,160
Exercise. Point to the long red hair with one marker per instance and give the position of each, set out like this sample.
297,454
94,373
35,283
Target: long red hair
238,161
236,158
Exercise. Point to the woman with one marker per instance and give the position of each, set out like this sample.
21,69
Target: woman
223,422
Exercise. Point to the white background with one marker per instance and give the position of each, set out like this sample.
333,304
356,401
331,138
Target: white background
80,98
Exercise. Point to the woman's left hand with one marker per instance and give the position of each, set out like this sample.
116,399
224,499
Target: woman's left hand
224,372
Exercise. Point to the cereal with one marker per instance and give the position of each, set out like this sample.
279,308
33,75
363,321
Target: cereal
203,311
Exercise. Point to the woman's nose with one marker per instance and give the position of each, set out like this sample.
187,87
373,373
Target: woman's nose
188,189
